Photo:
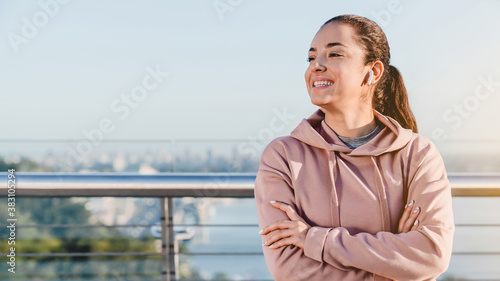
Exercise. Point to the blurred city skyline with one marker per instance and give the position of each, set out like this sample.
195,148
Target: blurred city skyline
226,69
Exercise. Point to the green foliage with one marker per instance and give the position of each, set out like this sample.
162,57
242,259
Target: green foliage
75,239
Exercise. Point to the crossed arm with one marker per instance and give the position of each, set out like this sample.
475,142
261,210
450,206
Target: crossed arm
293,231
420,251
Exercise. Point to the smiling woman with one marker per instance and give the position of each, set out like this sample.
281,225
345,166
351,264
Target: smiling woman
354,193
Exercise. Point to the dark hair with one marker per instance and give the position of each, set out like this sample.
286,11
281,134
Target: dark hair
390,97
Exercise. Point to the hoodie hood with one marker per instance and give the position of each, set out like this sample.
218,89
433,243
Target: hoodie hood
315,132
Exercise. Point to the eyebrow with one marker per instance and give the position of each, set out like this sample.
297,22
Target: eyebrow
329,45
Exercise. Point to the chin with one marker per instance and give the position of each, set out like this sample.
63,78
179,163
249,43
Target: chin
320,100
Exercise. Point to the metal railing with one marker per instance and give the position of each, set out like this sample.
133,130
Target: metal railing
189,184
168,186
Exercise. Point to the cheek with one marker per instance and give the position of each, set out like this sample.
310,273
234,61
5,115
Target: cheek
353,75
348,78
307,73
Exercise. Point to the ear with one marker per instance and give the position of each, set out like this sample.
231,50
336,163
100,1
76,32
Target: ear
378,70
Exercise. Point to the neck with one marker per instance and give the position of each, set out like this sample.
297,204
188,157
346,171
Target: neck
351,123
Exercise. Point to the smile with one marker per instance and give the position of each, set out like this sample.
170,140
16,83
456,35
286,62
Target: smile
320,84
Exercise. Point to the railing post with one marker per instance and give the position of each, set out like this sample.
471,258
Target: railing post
167,239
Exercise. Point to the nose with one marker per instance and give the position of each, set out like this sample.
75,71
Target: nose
318,65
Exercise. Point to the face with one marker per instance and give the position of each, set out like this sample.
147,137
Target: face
336,76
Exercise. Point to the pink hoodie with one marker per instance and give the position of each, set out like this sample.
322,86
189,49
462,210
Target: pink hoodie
353,199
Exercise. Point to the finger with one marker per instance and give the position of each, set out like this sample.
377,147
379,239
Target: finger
277,235
415,225
290,212
411,220
283,242
405,215
280,224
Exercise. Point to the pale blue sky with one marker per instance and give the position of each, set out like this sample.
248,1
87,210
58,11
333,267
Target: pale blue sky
229,73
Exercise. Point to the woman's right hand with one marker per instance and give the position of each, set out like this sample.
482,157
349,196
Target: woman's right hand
409,220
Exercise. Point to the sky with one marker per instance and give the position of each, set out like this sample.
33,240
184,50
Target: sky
231,69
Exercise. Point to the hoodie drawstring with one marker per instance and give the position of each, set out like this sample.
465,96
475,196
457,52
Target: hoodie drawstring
334,207
382,197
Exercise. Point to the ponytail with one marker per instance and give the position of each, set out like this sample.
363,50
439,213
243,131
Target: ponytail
391,99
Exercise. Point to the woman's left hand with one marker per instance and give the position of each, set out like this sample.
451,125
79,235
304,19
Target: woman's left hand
286,232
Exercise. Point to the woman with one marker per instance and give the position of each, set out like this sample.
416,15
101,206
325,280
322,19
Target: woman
354,193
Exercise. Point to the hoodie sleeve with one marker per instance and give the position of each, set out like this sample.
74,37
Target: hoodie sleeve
273,182
421,254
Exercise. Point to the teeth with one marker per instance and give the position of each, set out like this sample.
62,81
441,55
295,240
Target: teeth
322,83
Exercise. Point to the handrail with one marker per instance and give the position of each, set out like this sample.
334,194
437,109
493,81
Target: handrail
478,184
169,185
188,184
133,185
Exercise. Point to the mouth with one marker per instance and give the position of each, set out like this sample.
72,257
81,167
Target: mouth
322,83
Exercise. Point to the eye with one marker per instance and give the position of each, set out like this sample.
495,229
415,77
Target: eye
334,55
309,59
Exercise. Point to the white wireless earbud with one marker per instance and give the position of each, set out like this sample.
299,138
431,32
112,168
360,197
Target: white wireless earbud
370,78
